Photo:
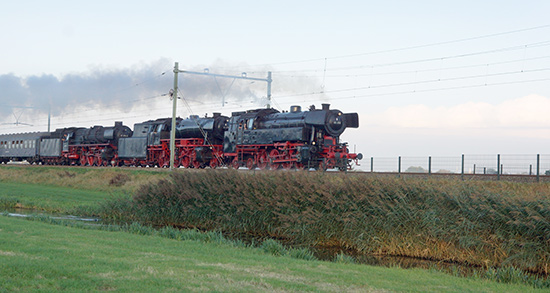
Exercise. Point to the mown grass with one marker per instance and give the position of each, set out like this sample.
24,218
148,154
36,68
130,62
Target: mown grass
486,224
48,198
41,256
66,189
99,179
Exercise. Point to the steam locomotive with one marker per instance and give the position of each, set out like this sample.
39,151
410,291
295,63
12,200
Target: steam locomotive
257,138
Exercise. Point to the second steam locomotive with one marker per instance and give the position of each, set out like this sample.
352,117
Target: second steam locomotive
258,138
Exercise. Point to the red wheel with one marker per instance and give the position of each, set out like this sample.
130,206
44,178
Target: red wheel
83,160
326,164
250,164
235,164
214,163
263,161
185,161
160,162
274,155
288,164
196,164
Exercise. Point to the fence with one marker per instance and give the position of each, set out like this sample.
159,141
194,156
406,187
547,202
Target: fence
532,165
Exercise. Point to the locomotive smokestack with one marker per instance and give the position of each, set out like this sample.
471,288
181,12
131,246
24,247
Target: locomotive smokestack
295,109
326,107
216,114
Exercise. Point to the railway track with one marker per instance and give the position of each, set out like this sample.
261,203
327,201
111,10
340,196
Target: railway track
465,177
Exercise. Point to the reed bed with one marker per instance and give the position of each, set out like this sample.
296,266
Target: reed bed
486,224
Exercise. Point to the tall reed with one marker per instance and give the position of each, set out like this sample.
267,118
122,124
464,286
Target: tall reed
486,224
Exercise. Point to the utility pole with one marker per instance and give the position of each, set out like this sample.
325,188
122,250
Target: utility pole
269,80
173,130
49,116
175,96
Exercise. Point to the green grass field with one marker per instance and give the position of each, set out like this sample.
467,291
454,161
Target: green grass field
63,189
40,256
36,255
48,198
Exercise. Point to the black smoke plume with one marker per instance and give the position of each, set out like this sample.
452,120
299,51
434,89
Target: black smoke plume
123,89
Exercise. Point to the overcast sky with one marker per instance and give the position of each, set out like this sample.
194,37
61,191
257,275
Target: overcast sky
426,77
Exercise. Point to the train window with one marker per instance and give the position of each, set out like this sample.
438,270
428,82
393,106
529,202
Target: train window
250,123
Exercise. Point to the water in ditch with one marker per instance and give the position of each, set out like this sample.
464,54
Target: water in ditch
25,213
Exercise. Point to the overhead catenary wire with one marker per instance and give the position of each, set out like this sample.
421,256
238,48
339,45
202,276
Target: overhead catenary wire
424,60
420,82
402,48
204,134
437,89
486,64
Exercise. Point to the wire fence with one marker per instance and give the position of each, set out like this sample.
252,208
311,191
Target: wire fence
530,165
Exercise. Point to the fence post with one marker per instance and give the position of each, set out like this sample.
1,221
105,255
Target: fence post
538,167
474,169
462,169
399,166
530,169
371,164
498,167
430,165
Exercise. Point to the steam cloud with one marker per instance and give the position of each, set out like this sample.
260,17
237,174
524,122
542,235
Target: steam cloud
122,89
100,88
